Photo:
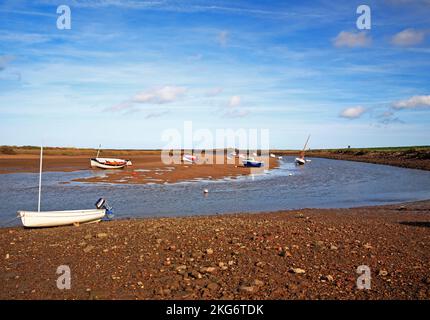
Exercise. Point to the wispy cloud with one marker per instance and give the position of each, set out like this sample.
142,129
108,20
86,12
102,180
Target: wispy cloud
234,101
214,92
413,102
166,94
408,37
158,96
352,112
234,108
222,38
351,39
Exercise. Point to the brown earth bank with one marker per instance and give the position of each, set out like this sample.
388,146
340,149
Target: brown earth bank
300,254
413,158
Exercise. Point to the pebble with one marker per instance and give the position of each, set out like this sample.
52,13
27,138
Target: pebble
7,256
209,251
258,283
383,273
88,249
207,269
248,289
212,286
332,247
367,246
297,270
102,235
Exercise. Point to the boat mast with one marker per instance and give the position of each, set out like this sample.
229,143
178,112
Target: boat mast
40,177
302,154
98,151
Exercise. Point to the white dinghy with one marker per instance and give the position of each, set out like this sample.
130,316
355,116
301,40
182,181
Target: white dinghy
108,163
301,159
34,219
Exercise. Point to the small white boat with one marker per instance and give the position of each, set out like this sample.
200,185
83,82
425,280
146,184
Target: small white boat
35,219
189,158
301,159
272,155
109,163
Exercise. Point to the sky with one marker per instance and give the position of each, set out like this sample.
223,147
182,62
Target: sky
127,71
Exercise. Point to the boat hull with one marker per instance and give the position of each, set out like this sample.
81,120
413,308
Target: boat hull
34,219
300,161
252,164
109,163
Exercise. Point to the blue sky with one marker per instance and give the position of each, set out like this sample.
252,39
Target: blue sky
128,69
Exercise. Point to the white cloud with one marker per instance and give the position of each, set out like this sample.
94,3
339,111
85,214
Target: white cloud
222,38
234,101
214,92
352,112
413,103
408,37
351,39
166,94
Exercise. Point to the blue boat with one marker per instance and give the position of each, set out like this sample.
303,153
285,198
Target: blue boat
252,163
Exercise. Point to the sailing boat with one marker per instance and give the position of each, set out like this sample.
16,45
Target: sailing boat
301,159
39,218
108,163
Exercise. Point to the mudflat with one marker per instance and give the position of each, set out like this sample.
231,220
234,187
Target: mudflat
146,168
299,254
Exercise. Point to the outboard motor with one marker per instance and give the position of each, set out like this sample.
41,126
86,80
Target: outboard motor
102,204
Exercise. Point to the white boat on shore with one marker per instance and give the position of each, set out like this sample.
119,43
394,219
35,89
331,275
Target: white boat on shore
109,163
37,219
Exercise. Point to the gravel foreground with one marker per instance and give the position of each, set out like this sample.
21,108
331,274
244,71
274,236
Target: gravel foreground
301,254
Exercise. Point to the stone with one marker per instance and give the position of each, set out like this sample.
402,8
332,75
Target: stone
383,273
258,283
102,235
88,248
209,251
212,286
333,247
248,289
297,270
207,269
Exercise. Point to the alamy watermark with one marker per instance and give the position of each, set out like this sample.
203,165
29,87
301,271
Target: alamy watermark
209,146
64,281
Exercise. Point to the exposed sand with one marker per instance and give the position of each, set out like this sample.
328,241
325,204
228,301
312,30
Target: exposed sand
146,168
306,254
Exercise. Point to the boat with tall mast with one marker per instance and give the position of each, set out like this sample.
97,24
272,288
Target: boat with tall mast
34,219
301,159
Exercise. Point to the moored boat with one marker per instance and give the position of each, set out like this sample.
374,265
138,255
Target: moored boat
250,162
301,159
35,219
109,163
